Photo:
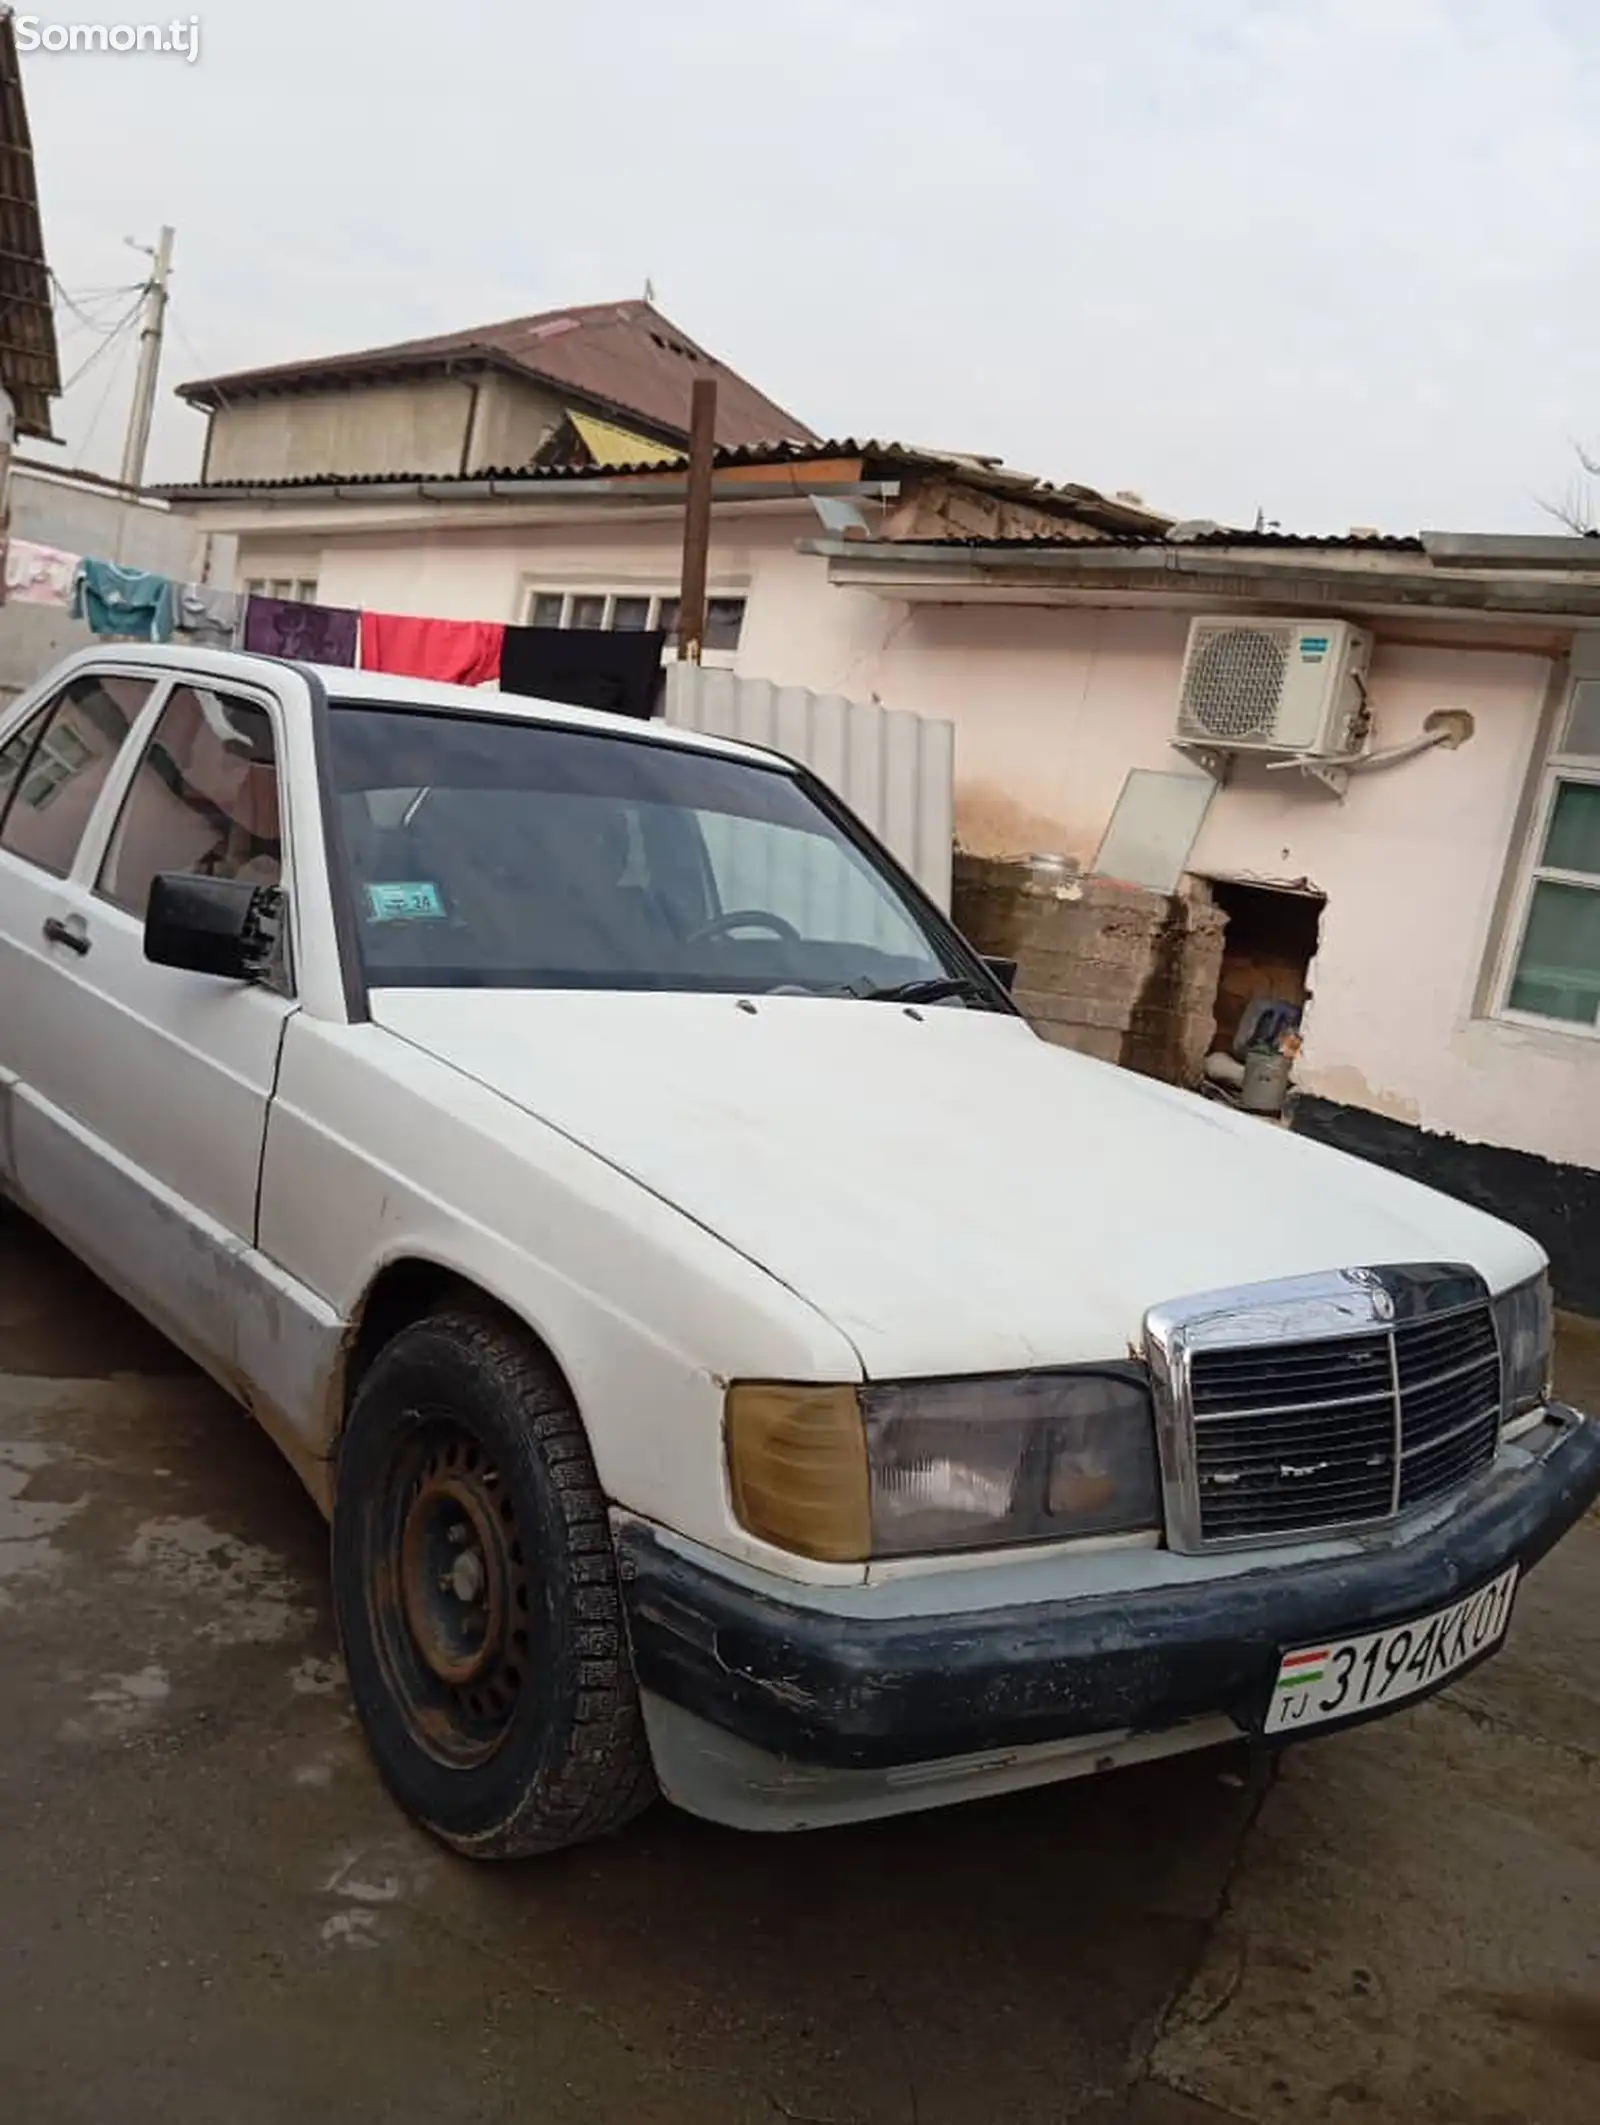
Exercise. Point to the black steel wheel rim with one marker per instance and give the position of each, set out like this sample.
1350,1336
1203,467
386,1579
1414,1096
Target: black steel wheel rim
448,1592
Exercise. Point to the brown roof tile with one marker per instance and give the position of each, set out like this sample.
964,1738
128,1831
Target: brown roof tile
625,358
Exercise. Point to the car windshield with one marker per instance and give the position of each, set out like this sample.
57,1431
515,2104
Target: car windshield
489,853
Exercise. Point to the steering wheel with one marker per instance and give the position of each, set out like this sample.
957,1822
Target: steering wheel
744,919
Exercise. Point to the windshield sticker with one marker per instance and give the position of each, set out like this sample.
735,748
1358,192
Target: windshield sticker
408,902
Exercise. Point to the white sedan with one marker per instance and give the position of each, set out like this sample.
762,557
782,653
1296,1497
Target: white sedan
737,1357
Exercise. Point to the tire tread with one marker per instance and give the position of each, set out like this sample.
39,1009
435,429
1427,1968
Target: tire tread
603,1777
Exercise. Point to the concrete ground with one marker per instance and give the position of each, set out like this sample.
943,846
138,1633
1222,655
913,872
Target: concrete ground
210,1909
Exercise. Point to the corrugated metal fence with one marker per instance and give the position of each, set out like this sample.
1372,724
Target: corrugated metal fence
895,770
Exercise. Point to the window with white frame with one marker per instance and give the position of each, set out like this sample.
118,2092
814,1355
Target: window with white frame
302,590
1554,969
636,612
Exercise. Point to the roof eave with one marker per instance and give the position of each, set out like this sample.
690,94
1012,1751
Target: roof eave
211,394
295,379
778,488
1165,573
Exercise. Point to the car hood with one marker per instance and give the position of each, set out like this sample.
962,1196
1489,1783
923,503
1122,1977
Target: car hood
954,1193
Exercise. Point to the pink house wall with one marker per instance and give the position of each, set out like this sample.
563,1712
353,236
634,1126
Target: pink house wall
1053,706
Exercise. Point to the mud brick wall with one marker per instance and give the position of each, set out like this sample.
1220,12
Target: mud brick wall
1112,970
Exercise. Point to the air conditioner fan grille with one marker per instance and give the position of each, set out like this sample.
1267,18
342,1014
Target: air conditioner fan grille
1234,684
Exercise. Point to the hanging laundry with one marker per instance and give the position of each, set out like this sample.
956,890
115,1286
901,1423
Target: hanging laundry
457,652
586,667
123,601
312,634
39,575
206,615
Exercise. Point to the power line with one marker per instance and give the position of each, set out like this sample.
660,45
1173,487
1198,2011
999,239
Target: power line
178,333
111,378
75,303
112,335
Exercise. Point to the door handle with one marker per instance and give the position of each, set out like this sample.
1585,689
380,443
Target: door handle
71,933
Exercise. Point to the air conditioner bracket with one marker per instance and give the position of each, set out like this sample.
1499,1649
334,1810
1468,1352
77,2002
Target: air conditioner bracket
1217,761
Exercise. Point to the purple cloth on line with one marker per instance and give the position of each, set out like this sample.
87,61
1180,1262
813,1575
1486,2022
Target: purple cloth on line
315,634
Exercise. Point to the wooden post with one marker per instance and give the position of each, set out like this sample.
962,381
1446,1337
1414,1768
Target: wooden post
697,520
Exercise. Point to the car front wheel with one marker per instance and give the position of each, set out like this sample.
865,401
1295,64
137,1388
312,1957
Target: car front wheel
476,1592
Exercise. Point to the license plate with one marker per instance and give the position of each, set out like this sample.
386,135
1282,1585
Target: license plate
1344,1677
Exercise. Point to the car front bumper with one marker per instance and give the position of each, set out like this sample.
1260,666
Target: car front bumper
746,1687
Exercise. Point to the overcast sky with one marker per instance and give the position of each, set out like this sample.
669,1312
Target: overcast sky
1333,258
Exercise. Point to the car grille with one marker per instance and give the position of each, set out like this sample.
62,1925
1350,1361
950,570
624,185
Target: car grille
1291,1437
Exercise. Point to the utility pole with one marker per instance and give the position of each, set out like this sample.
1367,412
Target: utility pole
697,520
144,384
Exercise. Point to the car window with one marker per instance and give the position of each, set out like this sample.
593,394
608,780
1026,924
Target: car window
485,852
14,753
204,800
57,778
820,891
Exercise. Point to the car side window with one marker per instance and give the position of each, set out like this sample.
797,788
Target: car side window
56,766
204,800
14,753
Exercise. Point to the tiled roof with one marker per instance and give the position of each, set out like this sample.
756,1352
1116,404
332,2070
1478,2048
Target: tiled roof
623,358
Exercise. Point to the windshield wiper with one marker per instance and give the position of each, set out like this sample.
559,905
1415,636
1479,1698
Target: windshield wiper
931,989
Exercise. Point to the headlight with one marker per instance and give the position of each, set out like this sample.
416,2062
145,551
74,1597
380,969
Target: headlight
1525,1323
847,1474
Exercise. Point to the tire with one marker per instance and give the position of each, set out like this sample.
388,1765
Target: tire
475,1587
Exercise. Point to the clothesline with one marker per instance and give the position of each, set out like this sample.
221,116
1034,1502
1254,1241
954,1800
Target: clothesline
618,672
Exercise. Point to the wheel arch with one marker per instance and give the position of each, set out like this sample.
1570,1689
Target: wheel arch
407,1288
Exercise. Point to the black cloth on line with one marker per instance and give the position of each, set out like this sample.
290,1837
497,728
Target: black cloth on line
586,667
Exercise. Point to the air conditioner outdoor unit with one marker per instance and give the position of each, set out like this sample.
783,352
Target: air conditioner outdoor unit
1275,686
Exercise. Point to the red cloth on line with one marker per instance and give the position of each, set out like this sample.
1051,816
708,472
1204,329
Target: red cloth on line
459,652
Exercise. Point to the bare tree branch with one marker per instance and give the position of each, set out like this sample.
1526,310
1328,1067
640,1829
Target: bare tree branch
1574,511
1576,507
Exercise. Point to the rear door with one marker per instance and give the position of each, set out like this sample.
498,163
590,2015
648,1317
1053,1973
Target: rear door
57,761
141,1125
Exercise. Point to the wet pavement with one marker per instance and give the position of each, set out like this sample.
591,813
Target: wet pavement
211,1909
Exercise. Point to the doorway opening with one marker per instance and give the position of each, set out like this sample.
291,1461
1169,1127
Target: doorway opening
1263,986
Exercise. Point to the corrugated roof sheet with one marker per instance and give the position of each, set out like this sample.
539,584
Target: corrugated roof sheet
878,460
30,366
1351,542
609,445
624,358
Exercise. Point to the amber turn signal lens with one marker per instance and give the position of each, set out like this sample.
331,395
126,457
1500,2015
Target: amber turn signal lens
797,1468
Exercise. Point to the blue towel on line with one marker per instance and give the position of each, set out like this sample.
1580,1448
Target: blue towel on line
123,601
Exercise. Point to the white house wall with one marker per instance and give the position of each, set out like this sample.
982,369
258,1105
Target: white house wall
1053,708
485,573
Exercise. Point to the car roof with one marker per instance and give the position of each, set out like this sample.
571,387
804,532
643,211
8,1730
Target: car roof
344,683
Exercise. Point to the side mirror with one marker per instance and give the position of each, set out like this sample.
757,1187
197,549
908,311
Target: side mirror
218,926
1004,972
